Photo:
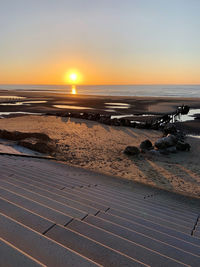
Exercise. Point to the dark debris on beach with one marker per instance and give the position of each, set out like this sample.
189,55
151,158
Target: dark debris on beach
150,122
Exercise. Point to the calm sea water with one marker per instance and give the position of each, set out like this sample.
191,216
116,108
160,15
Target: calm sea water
115,90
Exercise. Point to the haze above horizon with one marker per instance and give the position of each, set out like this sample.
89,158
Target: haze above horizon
107,41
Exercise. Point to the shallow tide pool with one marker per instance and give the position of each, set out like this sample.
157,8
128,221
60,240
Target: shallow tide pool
2,114
188,117
22,103
70,107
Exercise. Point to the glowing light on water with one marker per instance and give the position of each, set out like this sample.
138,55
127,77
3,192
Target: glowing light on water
18,112
117,104
70,107
192,114
26,103
22,103
73,92
117,107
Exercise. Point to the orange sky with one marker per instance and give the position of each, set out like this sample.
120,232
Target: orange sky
107,42
57,73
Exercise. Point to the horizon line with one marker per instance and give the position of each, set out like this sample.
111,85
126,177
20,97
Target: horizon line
62,84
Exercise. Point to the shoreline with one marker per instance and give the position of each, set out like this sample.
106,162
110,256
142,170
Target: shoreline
141,90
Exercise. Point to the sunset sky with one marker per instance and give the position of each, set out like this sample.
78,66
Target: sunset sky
103,41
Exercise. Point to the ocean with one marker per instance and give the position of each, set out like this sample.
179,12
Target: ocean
115,90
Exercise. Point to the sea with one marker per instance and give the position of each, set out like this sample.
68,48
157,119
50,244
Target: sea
183,91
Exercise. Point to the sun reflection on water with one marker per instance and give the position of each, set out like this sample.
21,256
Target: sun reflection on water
73,92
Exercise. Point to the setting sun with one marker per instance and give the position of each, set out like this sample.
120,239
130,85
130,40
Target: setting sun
73,77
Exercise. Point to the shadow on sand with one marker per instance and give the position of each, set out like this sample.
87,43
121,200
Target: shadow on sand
151,173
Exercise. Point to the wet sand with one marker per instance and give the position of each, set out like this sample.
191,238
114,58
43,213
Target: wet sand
102,104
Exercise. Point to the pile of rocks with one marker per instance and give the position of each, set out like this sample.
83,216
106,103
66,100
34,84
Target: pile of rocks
171,142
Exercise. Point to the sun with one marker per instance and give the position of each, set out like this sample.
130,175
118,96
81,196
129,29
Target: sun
73,77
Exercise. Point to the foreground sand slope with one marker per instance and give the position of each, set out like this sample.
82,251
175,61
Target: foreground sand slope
99,147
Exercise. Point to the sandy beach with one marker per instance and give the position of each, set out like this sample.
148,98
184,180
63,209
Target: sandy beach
95,146
99,147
